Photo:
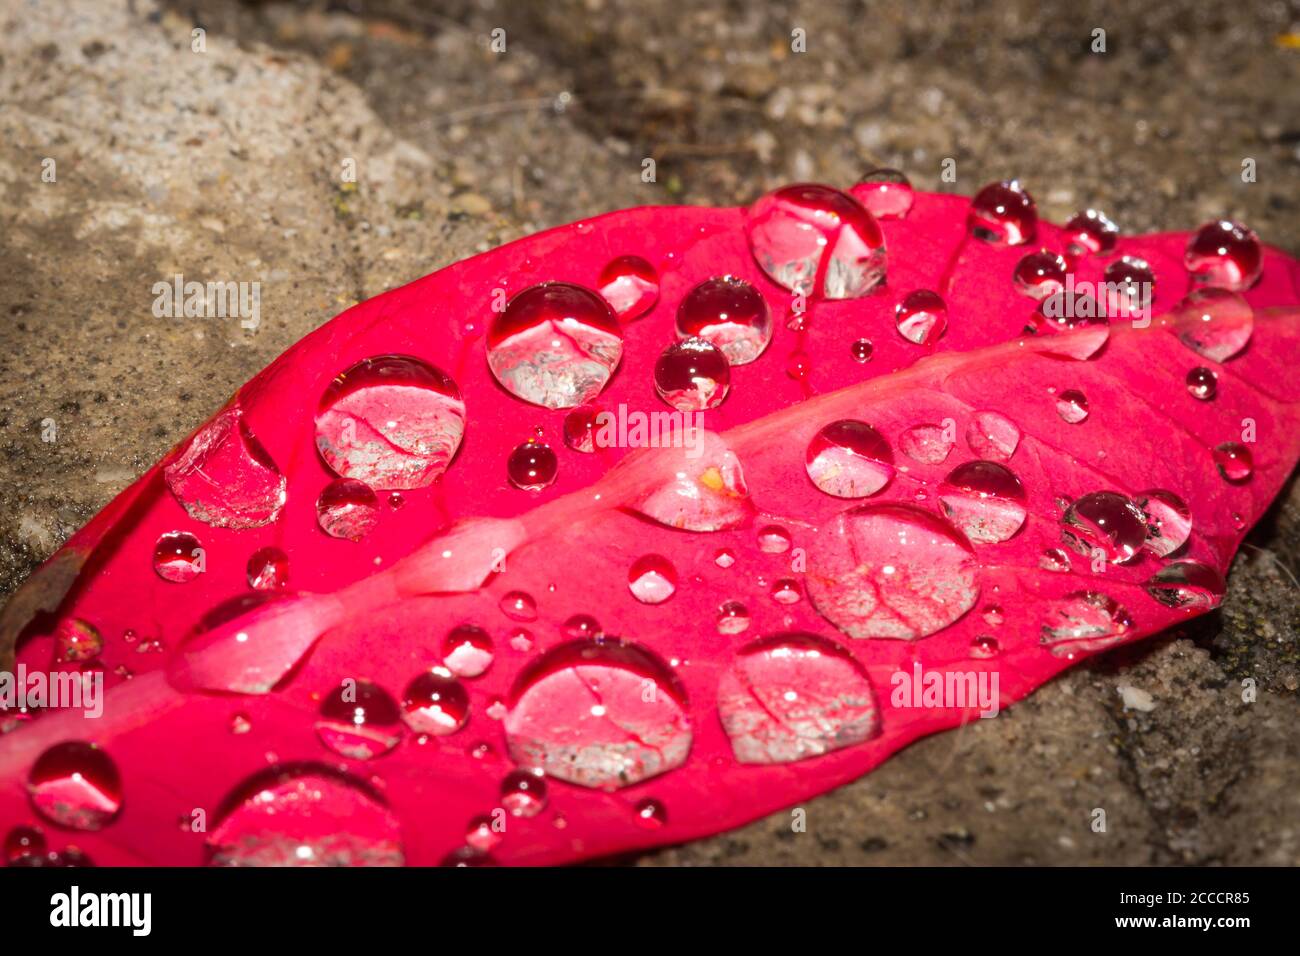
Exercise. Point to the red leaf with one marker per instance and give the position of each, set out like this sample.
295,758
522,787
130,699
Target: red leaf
768,613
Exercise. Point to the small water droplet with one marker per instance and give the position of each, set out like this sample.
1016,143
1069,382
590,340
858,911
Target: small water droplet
240,724
849,459
1187,584
23,841
984,646
1003,214
885,193
268,569
1226,255
1234,461
482,835
1040,274
985,500
992,437
521,639
798,365
725,558
630,285
993,615
650,813
1105,520
729,313
692,375
1090,232
786,591
77,640
1072,406
359,720
733,618
178,557
532,466
523,793
225,478
582,625
580,427
862,350
518,606
927,444
652,579
1202,383
467,650
75,785
1169,521
435,703
1214,323
347,509
773,539
922,317
1084,621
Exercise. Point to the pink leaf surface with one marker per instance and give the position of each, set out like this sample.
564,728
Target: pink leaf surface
680,639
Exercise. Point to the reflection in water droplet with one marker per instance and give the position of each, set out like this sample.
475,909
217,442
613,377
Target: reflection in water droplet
77,640
359,720
927,444
523,793
652,579
1040,274
786,591
225,478
75,785
482,835
984,646
885,193
467,650
532,466
773,539
554,345
729,313
922,317
725,558
862,350
849,459
582,625
631,287
1072,406
392,421
1214,323
1084,621
1090,232
817,241
1054,559
268,569
992,436
1169,521
692,375
650,813
733,618
178,557
518,606
1234,461
984,500
792,696
434,702
1003,214
993,615
604,714
1105,520
891,571
1187,584
1226,255
347,509
580,427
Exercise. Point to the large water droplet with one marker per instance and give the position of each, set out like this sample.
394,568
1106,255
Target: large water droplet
225,478
554,345
268,569
1090,232
1187,584
1224,254
891,571
729,313
817,241
885,193
392,421
1084,621
347,509
922,317
1003,214
1130,273
305,815
467,650
992,436
652,579
849,459
434,702
532,466
692,375
1169,521
582,713
1040,274
76,785
927,444
1214,323
178,557
1202,384
1234,461
984,500
792,696
631,287
359,720
1105,520
701,486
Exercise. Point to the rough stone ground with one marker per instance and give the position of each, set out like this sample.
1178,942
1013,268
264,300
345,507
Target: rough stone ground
226,165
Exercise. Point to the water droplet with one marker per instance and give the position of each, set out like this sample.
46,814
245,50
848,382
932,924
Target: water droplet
631,287
523,793
1076,312
725,558
786,591
701,487
922,317
392,421
1130,272
650,813
817,241
849,459
1187,584
1040,274
992,436
554,345
1234,461
993,615
519,606
885,193
1169,521
268,569
1072,406
984,500
582,625
1214,323
729,313
467,650
467,857
733,618
1084,621
798,365
886,570
75,785
521,639
240,724
862,350
305,815
792,696
481,835
359,720
604,714
692,375
1003,214
984,646
652,579
927,444
23,841
1090,233
225,478
1202,383
532,466
178,557
1226,255
77,640
347,509
434,702
580,427
1105,520
395,500
773,539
